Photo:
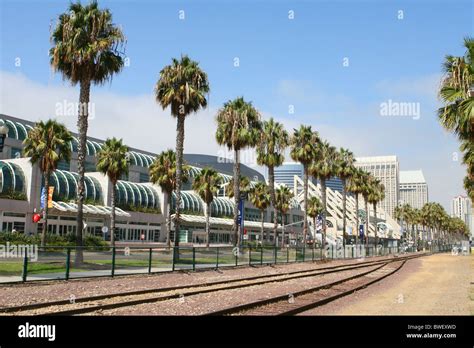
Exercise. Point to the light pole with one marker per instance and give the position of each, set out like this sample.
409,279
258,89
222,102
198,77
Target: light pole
3,134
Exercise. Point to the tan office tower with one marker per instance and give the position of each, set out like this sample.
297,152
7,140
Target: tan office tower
387,170
413,188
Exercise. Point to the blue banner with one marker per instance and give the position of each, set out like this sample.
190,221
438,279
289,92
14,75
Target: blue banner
43,198
240,218
361,231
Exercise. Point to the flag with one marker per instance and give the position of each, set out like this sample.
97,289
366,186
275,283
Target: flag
240,217
50,196
43,198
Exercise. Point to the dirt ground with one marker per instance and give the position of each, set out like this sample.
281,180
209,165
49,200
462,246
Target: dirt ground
441,284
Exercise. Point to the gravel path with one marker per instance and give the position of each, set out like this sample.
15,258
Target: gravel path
210,302
21,294
440,284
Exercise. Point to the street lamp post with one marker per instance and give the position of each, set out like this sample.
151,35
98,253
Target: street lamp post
3,134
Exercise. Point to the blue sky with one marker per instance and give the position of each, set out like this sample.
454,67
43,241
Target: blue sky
282,62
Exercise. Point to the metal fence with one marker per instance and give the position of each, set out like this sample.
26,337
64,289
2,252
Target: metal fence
65,263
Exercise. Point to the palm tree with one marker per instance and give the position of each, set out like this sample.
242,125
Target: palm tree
315,208
376,195
456,92
398,214
324,169
46,144
86,50
344,170
163,173
366,181
425,221
283,197
238,127
260,197
112,160
304,143
244,186
417,219
355,186
273,141
207,184
182,86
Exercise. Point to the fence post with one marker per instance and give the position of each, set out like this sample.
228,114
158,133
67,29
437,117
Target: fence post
25,267
68,262
149,260
287,255
194,258
275,254
217,258
173,259
304,251
113,261
312,253
261,255
237,257
250,255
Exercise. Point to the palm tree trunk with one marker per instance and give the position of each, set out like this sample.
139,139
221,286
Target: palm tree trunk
366,222
82,124
112,216
375,225
236,196
357,217
282,230
423,236
271,184
323,194
262,229
45,215
305,197
314,232
208,226
168,220
179,174
344,194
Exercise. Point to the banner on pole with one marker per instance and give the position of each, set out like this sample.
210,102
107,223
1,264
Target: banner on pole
43,198
50,196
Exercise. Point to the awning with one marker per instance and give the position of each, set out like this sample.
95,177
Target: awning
88,209
221,222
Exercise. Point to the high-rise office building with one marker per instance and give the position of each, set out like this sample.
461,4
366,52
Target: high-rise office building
461,208
387,170
413,188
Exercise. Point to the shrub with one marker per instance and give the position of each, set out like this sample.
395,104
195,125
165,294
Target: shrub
93,242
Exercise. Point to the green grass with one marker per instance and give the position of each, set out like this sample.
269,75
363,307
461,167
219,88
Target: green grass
16,268
140,260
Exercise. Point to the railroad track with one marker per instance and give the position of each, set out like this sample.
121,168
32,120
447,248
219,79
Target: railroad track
301,301
125,299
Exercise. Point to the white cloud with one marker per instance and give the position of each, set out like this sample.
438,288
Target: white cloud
139,120
418,87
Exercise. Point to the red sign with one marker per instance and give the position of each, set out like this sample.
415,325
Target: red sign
36,217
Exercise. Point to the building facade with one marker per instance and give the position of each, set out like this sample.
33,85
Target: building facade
387,170
413,188
142,207
285,173
461,207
